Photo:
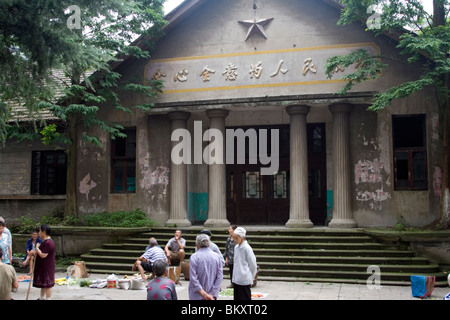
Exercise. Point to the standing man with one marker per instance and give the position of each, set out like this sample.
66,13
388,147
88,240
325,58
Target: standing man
245,268
146,261
205,271
174,248
229,252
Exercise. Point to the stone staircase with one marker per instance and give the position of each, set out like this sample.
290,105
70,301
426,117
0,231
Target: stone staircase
313,255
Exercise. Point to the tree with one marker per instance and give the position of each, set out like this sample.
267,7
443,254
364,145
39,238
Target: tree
425,39
42,38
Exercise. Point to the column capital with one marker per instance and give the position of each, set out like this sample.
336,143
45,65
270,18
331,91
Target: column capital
297,109
217,113
340,107
179,115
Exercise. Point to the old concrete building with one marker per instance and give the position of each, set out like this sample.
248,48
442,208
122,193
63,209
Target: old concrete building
311,157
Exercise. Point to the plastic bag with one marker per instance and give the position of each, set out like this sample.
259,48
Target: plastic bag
422,286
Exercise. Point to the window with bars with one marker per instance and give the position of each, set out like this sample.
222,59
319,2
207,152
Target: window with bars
48,172
410,152
281,185
253,185
123,163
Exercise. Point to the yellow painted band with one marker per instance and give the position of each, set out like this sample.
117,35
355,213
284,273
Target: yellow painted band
253,86
249,53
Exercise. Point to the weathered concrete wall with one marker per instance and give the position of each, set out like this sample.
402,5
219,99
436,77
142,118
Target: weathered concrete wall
74,241
211,36
15,183
376,202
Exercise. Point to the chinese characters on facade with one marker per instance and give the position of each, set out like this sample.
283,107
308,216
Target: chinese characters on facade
230,73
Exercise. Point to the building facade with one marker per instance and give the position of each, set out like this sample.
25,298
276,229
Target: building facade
249,128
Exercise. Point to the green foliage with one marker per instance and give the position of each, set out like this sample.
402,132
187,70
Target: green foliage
48,66
25,224
425,43
129,219
126,219
369,67
49,134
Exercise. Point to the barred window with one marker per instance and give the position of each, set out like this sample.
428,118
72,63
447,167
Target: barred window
123,163
48,172
410,152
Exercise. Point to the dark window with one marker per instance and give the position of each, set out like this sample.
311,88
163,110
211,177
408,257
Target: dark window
410,152
123,163
48,172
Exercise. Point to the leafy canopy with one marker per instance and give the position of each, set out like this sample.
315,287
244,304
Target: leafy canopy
49,64
423,37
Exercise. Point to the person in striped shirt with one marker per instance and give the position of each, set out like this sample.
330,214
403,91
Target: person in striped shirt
146,261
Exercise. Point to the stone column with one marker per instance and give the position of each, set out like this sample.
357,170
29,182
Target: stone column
342,202
178,178
217,205
299,198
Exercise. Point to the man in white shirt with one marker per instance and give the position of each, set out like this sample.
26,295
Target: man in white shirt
245,268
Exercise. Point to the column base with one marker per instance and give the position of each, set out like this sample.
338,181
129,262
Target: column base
296,223
216,223
178,223
342,223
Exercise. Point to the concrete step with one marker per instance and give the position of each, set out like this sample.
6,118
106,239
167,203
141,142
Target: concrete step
264,238
326,255
130,256
286,246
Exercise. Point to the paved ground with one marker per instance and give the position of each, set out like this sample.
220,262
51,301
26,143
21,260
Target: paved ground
272,290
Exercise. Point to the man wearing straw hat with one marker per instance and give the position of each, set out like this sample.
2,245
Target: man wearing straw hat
245,268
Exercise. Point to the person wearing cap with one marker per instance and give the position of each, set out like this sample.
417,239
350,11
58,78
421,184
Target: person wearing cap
212,245
244,270
205,271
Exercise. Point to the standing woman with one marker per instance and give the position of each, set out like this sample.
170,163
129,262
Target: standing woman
44,269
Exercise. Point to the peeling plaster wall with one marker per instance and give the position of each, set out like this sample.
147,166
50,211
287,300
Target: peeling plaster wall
92,173
214,30
154,177
375,201
152,170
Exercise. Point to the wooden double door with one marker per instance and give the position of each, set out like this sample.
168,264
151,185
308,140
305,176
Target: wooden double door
253,198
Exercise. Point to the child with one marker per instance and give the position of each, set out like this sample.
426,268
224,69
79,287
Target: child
31,249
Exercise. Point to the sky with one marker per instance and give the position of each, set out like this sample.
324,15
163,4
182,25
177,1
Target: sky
172,4
169,5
